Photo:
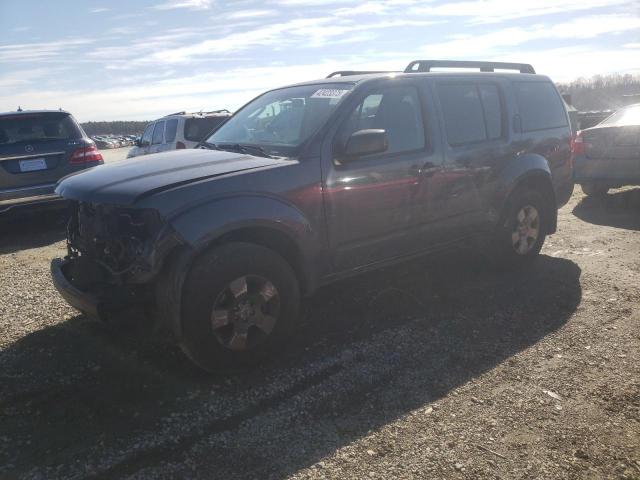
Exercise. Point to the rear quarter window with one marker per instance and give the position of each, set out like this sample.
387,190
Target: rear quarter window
540,106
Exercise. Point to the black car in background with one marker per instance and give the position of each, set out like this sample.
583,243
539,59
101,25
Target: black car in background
312,183
38,148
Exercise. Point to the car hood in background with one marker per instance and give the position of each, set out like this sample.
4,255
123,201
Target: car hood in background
126,182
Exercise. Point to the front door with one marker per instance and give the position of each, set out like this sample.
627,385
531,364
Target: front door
369,199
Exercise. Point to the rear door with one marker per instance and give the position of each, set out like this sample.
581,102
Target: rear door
35,148
476,145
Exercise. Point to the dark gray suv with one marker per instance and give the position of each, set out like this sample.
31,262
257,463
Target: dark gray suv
312,183
38,148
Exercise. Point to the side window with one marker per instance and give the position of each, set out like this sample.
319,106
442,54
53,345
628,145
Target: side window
146,136
462,112
396,110
540,106
157,133
170,129
492,107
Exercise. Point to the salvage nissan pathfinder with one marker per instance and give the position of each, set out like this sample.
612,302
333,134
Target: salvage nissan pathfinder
312,183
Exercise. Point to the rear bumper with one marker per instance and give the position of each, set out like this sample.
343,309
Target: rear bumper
613,171
29,196
83,301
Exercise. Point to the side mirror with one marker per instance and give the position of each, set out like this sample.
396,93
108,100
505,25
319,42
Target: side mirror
366,142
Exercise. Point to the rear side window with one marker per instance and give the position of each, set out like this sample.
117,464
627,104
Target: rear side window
195,129
540,106
37,128
158,131
462,112
170,130
492,110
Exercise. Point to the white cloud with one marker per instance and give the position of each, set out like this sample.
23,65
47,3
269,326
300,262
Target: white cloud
99,9
489,11
41,51
503,40
189,4
251,13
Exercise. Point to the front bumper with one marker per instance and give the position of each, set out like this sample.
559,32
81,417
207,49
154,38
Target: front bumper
87,303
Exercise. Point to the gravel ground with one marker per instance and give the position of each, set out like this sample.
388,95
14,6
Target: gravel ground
114,154
439,369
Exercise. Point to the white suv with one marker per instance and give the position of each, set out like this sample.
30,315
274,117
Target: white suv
176,131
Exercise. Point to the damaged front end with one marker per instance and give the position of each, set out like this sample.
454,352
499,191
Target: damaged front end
113,257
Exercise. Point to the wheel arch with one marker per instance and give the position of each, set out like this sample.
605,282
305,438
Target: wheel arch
177,264
528,171
539,181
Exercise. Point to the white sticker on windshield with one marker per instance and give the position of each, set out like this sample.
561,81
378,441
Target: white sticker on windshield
329,93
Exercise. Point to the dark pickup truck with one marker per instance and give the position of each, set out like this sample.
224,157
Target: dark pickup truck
312,183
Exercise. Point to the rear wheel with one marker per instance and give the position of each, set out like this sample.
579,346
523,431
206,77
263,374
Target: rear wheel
521,235
240,302
594,189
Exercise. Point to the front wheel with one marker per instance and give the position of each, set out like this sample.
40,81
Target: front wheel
521,235
240,302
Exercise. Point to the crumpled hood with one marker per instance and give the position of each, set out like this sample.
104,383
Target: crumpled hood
126,182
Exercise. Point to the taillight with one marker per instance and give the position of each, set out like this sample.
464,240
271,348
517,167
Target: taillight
85,155
577,144
180,146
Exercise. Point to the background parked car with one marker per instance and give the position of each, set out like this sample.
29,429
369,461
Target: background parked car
178,130
608,155
37,148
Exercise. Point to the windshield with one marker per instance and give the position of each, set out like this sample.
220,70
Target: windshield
37,127
625,116
280,121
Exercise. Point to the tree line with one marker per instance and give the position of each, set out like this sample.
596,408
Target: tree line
130,127
603,92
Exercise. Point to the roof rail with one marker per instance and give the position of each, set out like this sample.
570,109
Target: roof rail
427,65
346,73
177,113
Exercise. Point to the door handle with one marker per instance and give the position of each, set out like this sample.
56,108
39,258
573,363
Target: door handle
429,169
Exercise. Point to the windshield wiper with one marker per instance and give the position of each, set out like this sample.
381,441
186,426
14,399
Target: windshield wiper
236,147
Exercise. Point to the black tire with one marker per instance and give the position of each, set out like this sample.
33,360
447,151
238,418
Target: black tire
509,254
209,283
594,189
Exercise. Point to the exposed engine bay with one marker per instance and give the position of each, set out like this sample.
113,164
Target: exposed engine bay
113,244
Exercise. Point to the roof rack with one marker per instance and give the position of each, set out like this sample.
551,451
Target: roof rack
427,65
347,73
